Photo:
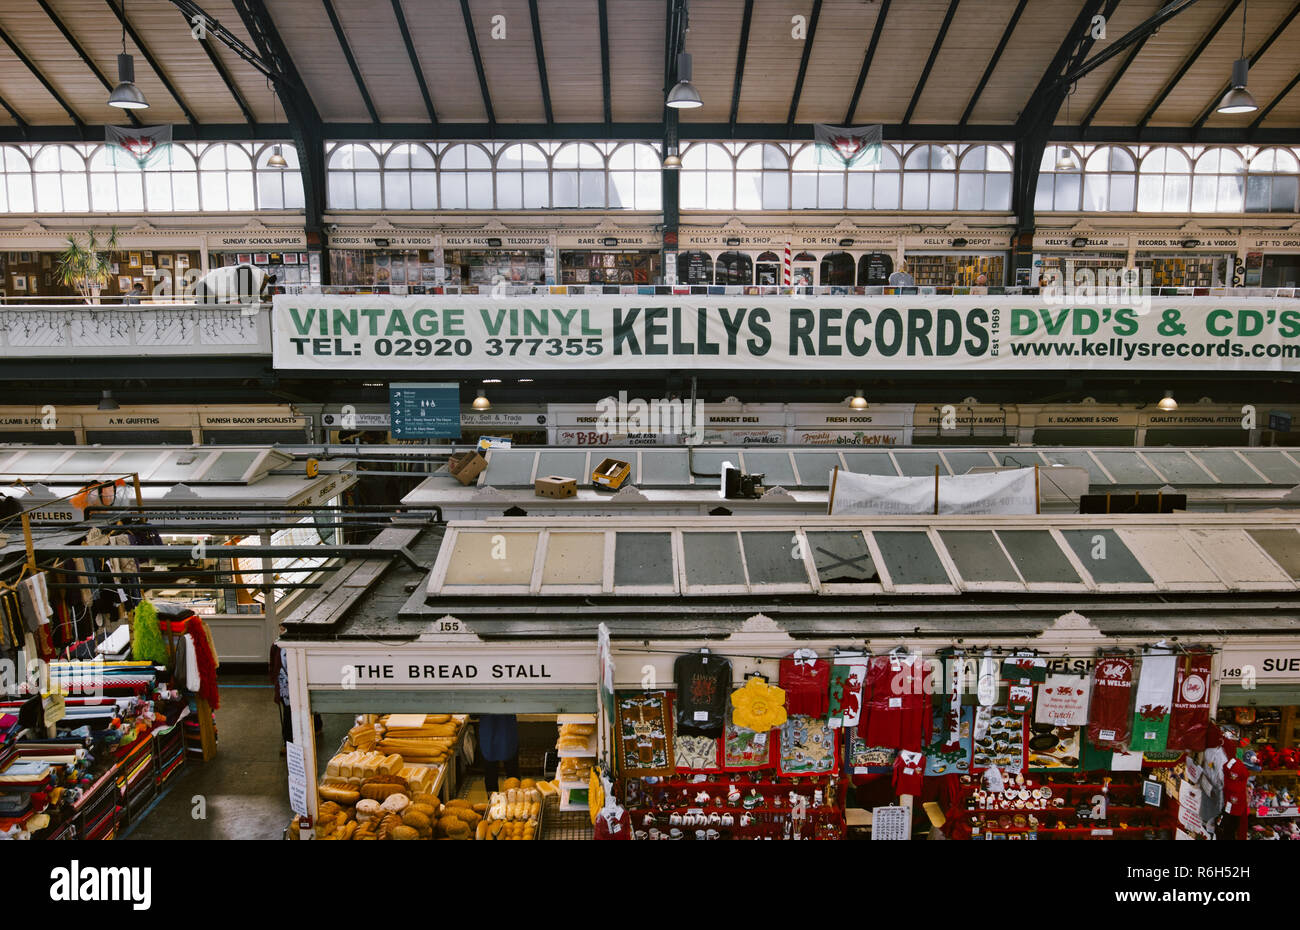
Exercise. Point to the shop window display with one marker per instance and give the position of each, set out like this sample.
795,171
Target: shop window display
591,267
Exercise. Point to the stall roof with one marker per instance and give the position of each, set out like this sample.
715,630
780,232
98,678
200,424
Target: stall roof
78,465
666,477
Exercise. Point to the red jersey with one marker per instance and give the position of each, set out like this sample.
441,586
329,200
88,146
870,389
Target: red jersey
896,709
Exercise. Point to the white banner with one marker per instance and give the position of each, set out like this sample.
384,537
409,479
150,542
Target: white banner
1010,491
752,333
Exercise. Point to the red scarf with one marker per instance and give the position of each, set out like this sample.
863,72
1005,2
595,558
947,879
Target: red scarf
203,655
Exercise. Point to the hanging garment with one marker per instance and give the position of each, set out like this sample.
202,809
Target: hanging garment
1189,721
703,686
205,658
896,703
805,679
908,770
1110,715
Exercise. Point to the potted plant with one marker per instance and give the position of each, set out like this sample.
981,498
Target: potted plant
86,268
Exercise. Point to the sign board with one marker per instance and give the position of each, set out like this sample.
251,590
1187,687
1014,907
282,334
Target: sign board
263,240
297,763
453,669
778,333
424,411
750,239
1269,664
890,823
356,420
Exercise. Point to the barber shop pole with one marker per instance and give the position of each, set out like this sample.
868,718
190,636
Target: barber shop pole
787,267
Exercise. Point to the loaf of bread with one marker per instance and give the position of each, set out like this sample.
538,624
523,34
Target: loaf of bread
349,796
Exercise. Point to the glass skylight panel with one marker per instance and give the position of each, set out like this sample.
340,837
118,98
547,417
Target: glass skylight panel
775,467
39,463
574,558
919,464
1233,557
1178,467
870,463
1074,459
712,558
1127,468
774,558
1228,467
710,463
963,462
1282,546
510,468
1106,557
815,468
643,559
910,558
1038,557
564,464
978,556
492,558
141,462
1170,558
88,462
230,466
182,465
660,469
1275,465
842,557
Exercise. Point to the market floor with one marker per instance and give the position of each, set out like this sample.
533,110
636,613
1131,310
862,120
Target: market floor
243,793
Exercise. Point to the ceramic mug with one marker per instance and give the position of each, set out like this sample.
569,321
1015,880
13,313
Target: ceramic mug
674,834
641,835
728,820
654,833
699,834
712,835
675,819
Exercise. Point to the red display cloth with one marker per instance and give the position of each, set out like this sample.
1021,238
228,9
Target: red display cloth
1110,715
807,686
1189,723
896,710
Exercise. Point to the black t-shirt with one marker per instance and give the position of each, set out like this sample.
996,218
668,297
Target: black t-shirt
703,688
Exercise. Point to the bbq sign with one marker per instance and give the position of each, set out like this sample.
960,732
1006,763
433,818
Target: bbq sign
776,332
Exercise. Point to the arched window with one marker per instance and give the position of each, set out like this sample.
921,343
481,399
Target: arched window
1164,181
876,188
279,188
465,178
634,177
17,193
814,186
695,268
410,178
1274,183
708,177
762,178
734,268
353,178
929,178
522,182
60,174
984,179
1060,183
768,269
1109,180
837,269
1219,182
578,176
225,178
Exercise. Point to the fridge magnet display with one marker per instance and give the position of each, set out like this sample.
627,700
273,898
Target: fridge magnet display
644,744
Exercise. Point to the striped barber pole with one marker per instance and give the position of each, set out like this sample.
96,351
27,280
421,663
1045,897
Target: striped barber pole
787,267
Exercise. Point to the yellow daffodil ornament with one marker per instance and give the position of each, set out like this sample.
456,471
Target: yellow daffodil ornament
758,706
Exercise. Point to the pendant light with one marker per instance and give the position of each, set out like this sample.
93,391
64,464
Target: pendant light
126,96
1167,402
277,159
1064,157
481,402
684,96
858,401
1238,99
106,401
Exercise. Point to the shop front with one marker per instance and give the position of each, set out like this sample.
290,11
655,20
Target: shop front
1272,259
385,259
1080,259
283,253
609,256
958,258
1192,258
834,256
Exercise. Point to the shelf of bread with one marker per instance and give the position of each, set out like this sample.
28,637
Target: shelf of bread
577,738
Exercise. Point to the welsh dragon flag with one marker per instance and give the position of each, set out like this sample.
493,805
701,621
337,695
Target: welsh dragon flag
848,145
143,145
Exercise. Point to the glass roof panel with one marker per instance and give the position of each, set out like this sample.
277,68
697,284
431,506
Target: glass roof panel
1228,467
230,466
712,558
919,464
978,556
663,468
1178,467
490,558
775,467
1039,557
131,462
1233,557
182,465
710,463
1278,468
510,467
1127,468
870,463
643,559
574,558
1168,555
774,558
1282,546
89,462
815,468
1076,459
962,462
38,462
910,558
842,557
1106,557
566,465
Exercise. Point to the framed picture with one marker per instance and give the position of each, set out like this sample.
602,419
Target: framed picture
24,257
291,258
116,268
133,260
31,284
182,260
13,257
150,271
123,283
1153,793
261,258
164,261
20,282
303,258
46,279
139,281
244,258
45,262
148,255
